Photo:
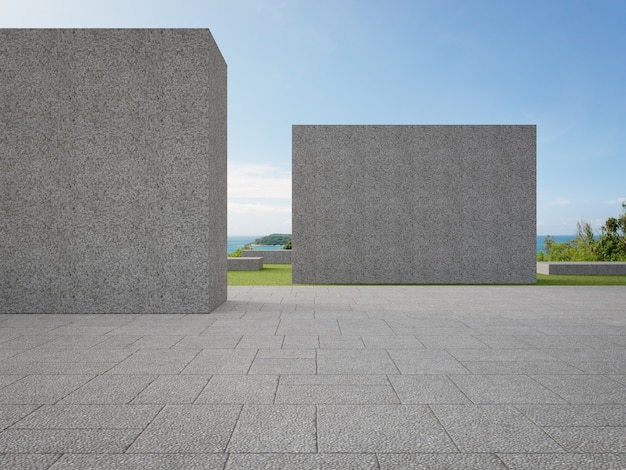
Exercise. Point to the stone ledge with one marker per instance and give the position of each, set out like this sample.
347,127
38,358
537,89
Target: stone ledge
245,264
270,256
586,267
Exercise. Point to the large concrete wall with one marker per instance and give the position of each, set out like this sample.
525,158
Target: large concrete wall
112,171
414,204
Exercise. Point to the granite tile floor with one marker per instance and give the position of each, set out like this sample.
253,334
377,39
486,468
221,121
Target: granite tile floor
312,377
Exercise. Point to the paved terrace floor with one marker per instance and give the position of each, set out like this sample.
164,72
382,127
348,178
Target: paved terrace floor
324,377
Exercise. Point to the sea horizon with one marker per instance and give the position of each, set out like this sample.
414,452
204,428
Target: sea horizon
239,241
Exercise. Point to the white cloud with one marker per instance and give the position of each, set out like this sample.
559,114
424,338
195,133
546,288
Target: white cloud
619,200
559,202
257,209
258,181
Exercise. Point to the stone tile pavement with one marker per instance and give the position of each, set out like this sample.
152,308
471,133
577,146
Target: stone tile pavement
381,377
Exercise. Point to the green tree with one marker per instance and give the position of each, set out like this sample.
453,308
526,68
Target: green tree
610,245
287,245
235,254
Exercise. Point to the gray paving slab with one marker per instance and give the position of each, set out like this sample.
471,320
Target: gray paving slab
301,342
355,362
28,461
63,441
51,368
456,341
275,428
73,355
172,389
239,389
89,417
341,342
380,428
10,414
110,389
575,415
302,461
40,389
71,342
221,361
521,367
9,379
493,428
427,361
354,394
26,342
499,355
209,342
427,389
290,326
365,327
232,327
349,379
584,389
392,342
140,461
545,368
260,342
283,361
118,342
589,439
440,462
155,361
564,461
188,429
504,389
155,341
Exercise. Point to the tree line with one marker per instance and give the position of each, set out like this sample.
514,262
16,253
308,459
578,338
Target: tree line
610,245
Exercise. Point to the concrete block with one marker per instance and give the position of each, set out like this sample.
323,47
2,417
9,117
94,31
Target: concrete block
414,204
586,268
270,256
113,171
245,264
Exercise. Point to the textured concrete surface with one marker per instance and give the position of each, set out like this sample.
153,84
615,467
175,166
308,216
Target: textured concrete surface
270,256
245,264
414,204
589,268
376,377
112,171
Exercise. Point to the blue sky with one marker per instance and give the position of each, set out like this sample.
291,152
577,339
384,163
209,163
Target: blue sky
558,64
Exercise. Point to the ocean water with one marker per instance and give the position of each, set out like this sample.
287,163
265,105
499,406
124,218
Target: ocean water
238,242
557,238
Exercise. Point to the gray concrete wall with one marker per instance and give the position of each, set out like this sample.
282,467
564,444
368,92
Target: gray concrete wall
270,256
414,204
112,171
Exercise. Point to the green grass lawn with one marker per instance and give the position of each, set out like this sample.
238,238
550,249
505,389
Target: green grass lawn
280,275
270,275
559,280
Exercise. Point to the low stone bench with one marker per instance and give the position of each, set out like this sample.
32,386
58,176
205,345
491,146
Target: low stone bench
245,264
582,268
270,256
